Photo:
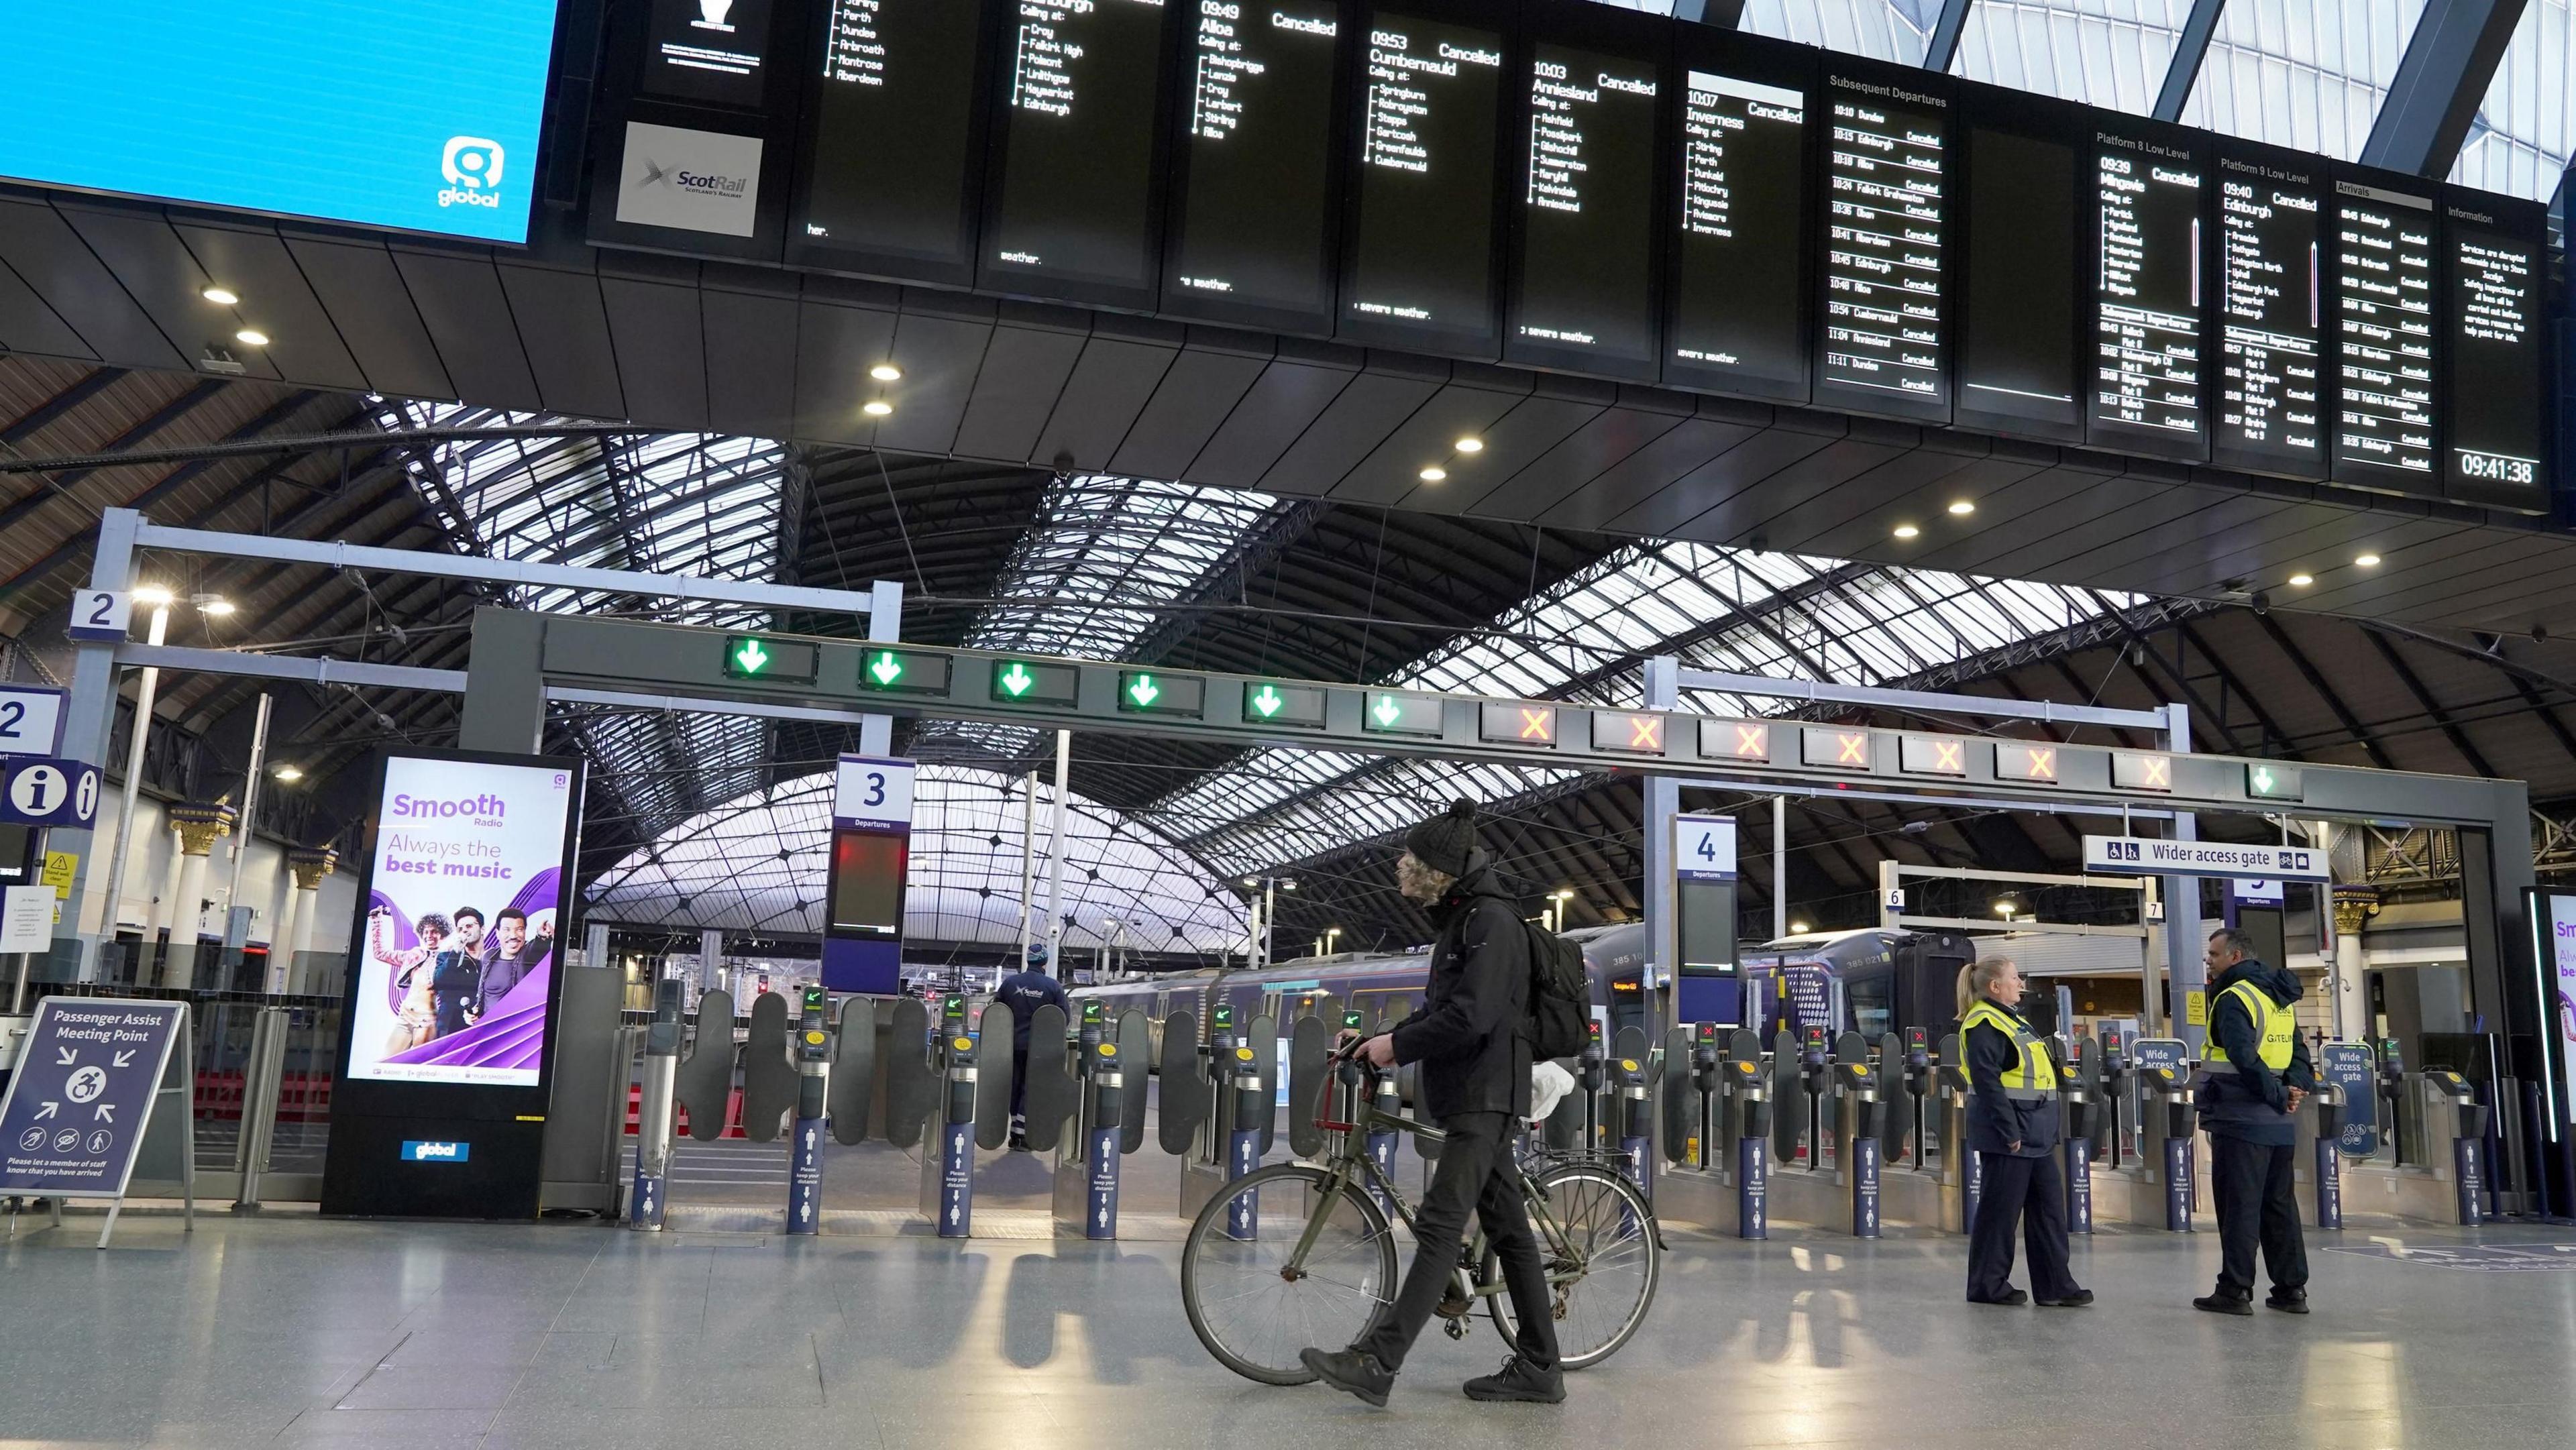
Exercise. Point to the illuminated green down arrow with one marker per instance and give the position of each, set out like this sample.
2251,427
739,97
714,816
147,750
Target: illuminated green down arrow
1387,711
886,668
749,657
1269,701
1143,691
1016,680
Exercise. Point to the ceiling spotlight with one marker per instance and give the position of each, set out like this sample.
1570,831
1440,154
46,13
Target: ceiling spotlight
154,595
214,604
1907,531
2366,561
877,408
2005,909
251,337
886,373
220,296
1434,474
2302,581
1470,444
290,773
1962,508
1798,928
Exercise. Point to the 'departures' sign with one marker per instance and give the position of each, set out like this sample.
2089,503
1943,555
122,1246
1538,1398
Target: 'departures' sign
2144,856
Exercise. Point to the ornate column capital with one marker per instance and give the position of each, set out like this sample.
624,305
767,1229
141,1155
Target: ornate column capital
310,865
200,824
2354,906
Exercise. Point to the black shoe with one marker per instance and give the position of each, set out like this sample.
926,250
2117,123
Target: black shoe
1355,1370
2013,1298
2224,1304
1019,1144
2288,1301
2080,1299
1517,1381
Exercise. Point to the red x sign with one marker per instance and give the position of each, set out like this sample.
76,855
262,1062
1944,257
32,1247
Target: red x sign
2040,764
1851,749
1753,742
1538,724
1645,732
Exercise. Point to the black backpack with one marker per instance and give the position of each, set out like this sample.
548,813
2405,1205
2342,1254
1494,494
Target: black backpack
1559,1001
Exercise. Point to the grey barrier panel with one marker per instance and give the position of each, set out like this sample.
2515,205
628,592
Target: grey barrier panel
1048,1100
1847,1047
910,1083
1135,1076
1262,1036
1788,1100
1185,1094
1676,1089
1408,1086
1310,1041
993,1071
1628,1044
704,1083
854,1070
768,1078
1892,1125
2088,1073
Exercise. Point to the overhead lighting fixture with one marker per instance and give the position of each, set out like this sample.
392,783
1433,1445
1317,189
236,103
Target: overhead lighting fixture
154,595
251,337
220,296
2005,909
2366,561
290,773
877,408
1798,928
1434,474
2302,581
214,604
886,373
1908,531
1470,444
1962,508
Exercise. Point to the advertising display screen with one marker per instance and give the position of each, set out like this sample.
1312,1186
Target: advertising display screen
1583,280
1886,243
1252,237
1421,255
1073,197
2385,336
890,170
2147,301
2270,416
410,114
2553,923
2019,294
715,51
1738,260
464,922
2498,410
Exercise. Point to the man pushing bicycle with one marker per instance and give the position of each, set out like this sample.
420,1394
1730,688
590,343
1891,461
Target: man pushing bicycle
1471,1040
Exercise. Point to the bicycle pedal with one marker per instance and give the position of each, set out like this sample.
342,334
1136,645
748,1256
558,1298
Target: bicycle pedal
1456,1328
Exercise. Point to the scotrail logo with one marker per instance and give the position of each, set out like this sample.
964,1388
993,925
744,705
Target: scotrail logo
701,182
472,166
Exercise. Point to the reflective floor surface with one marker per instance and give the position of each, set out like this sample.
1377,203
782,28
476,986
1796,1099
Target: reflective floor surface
291,1332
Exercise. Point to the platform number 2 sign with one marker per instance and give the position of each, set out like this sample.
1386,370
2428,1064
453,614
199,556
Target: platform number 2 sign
100,616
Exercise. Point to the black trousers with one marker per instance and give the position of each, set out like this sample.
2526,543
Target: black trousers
2033,1191
2257,1205
1471,1173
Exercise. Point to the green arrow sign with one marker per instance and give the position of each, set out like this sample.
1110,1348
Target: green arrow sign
1267,700
1387,710
749,656
1016,680
885,668
1143,691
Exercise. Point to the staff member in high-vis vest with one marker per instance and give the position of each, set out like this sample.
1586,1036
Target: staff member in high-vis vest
2254,1075
2013,1130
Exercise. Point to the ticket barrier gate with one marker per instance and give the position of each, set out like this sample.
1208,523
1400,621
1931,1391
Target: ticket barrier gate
1718,1134
1631,1074
1237,1070
2079,1077
649,1200
1850,1102
1962,1176
948,1162
1110,1092
2452,1111
805,1137
2167,1095
2322,1125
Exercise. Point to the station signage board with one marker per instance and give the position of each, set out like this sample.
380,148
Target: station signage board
2142,856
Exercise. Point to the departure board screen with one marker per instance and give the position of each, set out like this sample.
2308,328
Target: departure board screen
889,182
2498,401
2270,415
1071,212
2147,390
714,51
1887,169
2384,338
1583,290
1252,237
1420,269
2019,298
1738,314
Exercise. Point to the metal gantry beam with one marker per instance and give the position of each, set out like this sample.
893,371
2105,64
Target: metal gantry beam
1941,48
2191,51
2440,83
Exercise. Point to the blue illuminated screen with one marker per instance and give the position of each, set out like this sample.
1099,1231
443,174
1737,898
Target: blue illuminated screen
416,114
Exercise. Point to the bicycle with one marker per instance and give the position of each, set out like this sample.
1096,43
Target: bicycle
1255,1295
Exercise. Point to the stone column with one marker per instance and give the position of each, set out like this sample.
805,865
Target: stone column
200,825
281,936
309,868
2354,906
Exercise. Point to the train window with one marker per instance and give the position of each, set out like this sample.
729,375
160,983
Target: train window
1873,1005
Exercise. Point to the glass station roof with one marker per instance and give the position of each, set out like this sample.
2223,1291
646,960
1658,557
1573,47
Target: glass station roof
758,863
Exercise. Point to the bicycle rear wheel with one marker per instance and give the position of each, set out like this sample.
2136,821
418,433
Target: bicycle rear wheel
1245,1303
1609,1244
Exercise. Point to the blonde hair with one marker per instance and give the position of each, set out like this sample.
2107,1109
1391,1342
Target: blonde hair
1976,977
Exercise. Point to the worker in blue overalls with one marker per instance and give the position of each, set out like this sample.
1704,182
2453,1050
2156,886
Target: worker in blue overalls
2013,1130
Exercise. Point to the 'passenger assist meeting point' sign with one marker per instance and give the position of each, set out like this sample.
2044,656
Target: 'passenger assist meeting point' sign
82,1096
2141,856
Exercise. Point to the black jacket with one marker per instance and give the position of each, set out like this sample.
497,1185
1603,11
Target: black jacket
2252,1107
1469,1034
1996,1122
1024,993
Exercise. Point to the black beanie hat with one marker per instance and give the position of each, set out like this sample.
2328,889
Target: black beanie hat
1443,842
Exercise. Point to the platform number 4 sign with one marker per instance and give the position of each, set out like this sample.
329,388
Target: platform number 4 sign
1704,848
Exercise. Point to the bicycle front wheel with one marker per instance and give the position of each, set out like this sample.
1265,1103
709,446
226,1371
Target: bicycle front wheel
1250,1305
1603,1254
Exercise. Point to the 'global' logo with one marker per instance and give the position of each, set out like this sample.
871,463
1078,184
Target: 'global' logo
472,166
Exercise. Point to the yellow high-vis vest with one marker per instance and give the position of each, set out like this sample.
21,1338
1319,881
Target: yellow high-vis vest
2033,1078
2273,1025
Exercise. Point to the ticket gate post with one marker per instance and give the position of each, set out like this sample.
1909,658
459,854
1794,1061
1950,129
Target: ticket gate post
2451,1096
953,1166
2075,1110
1817,1076
1592,1076
1216,1059
805,1151
1636,1111
2115,1096
1242,1068
1856,1106
2328,1148
1103,1089
1381,1140
647,1205
1708,1086
1751,1110
2392,1093
2170,1088
1962,1176
1918,1087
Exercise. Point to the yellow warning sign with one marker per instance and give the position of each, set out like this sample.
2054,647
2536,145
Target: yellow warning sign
60,868
2195,1008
